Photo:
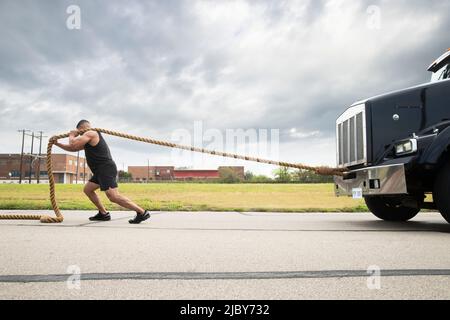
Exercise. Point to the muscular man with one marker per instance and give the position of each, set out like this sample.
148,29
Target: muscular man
104,169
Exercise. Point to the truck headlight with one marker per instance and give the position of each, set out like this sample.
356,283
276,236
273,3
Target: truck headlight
406,147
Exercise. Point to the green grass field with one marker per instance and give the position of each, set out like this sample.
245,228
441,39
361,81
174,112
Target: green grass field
190,197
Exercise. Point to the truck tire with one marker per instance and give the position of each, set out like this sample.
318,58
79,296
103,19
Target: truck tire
441,192
390,208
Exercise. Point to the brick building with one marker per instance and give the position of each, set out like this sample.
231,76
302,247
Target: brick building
65,169
151,173
190,174
161,173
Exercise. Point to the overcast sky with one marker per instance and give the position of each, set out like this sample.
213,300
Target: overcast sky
154,67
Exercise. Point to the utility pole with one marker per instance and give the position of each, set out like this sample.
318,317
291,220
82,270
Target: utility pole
148,170
21,153
39,160
31,157
78,165
84,170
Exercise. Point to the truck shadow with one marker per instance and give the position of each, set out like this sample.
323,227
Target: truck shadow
410,226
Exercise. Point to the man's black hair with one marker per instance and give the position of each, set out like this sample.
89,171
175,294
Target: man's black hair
81,122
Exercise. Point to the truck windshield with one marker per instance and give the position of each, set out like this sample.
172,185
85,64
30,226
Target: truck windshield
441,74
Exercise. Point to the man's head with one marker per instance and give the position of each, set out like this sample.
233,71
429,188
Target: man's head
83,124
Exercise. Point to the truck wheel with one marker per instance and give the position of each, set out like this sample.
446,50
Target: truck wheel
390,208
441,192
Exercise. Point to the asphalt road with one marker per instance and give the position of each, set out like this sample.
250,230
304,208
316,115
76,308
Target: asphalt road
226,256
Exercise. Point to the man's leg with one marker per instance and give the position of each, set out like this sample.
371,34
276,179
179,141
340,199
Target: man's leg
114,196
89,190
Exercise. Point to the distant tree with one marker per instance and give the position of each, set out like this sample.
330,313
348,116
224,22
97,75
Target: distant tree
125,176
228,175
304,176
248,176
283,174
261,179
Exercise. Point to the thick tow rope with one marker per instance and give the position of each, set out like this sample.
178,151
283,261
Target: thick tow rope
321,170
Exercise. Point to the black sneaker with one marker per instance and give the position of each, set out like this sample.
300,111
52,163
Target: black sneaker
101,217
140,217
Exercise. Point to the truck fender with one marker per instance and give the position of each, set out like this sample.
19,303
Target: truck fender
433,153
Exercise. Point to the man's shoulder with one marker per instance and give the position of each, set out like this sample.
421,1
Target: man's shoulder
92,134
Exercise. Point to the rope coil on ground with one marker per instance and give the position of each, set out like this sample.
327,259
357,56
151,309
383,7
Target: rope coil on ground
321,170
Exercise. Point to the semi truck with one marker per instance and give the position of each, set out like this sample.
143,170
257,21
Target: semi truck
396,149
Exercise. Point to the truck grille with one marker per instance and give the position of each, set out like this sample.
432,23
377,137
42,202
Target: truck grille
351,137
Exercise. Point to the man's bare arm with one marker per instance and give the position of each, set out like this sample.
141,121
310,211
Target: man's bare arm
64,146
76,142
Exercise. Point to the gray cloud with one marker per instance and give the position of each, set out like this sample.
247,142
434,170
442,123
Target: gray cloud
154,66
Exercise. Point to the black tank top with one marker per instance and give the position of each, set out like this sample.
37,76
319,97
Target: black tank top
98,155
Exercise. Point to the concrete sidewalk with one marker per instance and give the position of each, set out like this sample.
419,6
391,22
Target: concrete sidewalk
226,255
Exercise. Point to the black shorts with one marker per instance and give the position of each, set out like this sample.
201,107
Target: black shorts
105,176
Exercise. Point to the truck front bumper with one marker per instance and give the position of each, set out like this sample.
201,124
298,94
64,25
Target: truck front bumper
382,180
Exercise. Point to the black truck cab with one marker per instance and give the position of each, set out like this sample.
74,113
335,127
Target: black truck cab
396,147
441,68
